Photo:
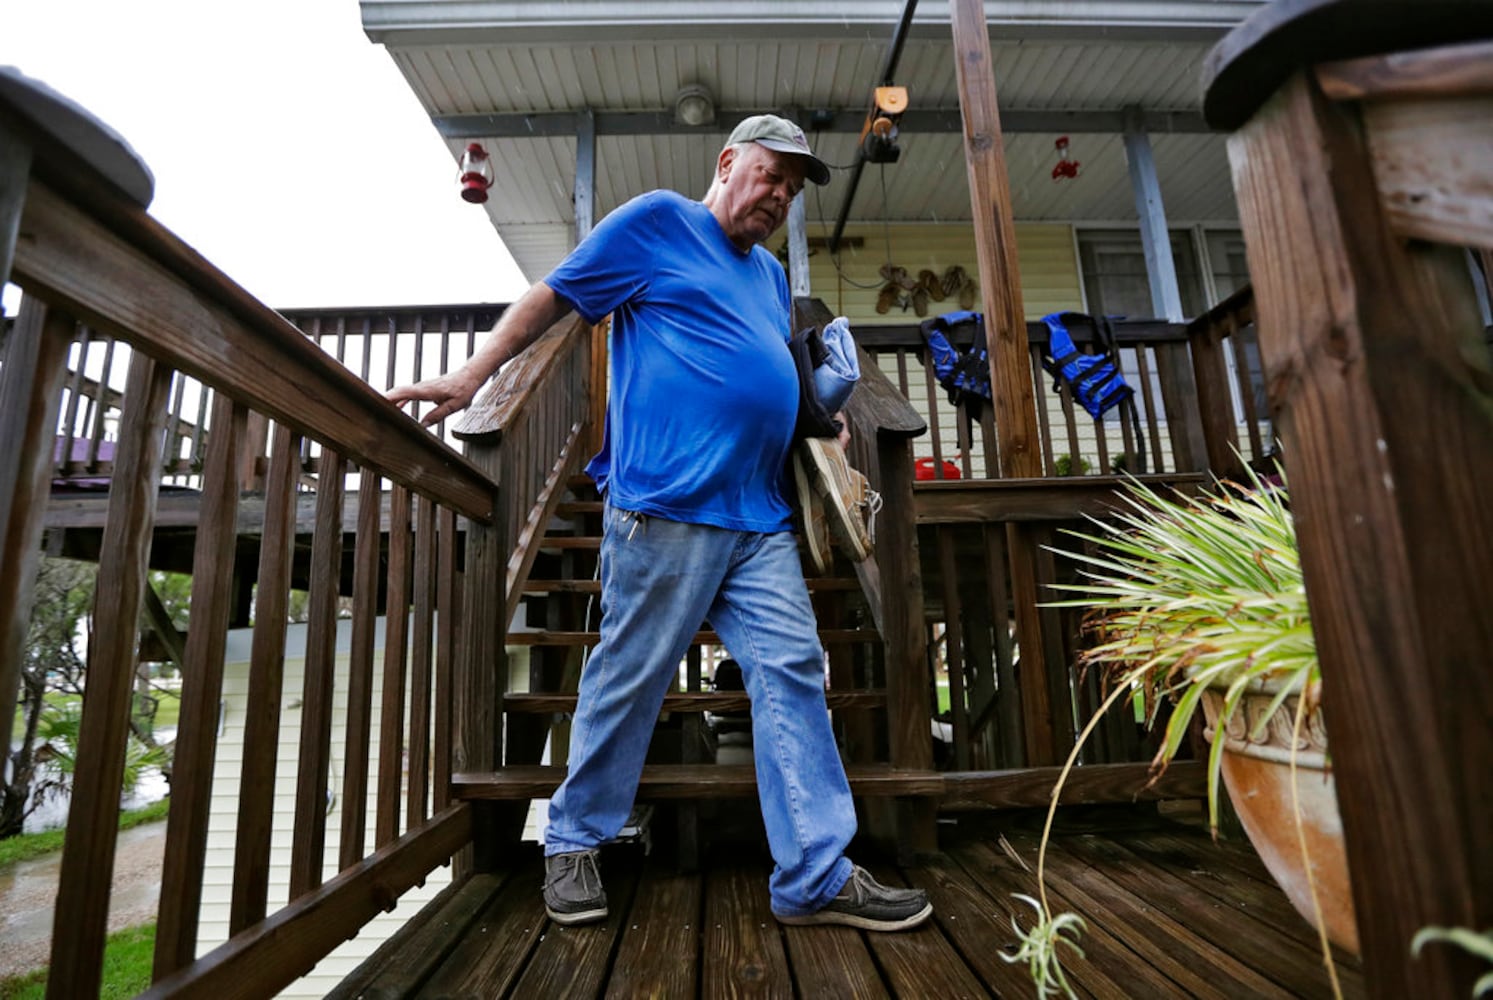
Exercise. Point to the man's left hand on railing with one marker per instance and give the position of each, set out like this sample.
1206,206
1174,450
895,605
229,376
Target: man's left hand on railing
521,324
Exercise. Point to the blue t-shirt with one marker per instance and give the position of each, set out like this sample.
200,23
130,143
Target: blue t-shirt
704,390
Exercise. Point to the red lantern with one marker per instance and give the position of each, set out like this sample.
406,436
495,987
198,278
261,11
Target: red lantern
1065,167
476,174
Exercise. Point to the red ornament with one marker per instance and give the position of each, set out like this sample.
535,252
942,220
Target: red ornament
1065,167
476,174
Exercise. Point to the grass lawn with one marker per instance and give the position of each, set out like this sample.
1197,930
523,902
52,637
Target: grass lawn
127,960
128,954
34,845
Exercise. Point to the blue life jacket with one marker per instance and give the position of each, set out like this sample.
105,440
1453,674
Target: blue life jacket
1094,380
963,371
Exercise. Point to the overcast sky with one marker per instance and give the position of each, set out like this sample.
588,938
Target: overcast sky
286,146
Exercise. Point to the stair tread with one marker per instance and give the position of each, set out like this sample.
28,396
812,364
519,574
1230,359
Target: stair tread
689,701
523,781
815,583
545,637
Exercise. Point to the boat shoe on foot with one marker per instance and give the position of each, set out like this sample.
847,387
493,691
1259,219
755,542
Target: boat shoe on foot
572,888
867,904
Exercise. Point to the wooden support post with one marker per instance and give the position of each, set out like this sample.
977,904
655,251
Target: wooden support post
30,392
1161,269
798,248
585,174
1005,325
1383,394
82,909
907,683
481,670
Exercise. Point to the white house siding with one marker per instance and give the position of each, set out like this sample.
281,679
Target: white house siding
217,887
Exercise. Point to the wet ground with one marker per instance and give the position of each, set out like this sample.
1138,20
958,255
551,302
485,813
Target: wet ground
29,889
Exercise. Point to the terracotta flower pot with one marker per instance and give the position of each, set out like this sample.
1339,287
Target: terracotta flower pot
1257,773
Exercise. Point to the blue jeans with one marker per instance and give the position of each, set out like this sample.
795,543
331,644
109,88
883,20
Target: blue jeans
660,580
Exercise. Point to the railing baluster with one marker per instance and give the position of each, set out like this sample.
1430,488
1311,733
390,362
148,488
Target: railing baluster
1153,424
1237,340
360,668
101,406
201,692
1044,423
367,366
448,601
935,434
251,859
74,397
948,565
313,788
418,800
396,632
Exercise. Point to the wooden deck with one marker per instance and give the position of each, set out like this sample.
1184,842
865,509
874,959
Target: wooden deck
1169,914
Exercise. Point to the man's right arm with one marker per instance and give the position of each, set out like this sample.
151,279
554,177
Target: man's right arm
521,324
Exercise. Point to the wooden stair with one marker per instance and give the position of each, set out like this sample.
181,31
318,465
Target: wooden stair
560,597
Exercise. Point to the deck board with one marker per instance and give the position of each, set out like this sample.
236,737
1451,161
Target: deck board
1170,914
665,920
743,953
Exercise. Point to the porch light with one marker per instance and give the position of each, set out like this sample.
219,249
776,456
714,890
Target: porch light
694,106
476,174
1066,165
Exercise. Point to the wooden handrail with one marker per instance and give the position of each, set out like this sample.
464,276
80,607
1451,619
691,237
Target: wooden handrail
199,321
86,254
305,931
544,393
508,395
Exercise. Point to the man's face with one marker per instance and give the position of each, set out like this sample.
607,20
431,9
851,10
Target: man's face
758,185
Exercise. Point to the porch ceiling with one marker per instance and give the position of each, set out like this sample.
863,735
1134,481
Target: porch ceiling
1051,61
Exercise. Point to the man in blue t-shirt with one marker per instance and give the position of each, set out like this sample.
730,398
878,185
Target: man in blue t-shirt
704,395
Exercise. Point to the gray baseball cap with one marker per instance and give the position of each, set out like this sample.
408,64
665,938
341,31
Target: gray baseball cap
783,136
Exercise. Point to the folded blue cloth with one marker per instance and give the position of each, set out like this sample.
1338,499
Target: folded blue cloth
834,380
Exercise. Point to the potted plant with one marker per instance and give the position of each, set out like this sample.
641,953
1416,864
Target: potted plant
1199,602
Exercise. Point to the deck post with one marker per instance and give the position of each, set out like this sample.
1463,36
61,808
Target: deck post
585,174
1161,269
30,392
1010,365
15,173
1380,382
481,670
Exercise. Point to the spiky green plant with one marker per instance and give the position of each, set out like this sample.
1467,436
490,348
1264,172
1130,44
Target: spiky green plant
1039,947
1472,942
1183,593
1197,592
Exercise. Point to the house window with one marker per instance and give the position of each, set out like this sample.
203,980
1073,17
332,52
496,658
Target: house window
1113,264
1226,261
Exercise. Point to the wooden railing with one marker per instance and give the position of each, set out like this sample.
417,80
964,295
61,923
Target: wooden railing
882,428
1197,389
529,430
1159,359
84,253
1227,368
383,346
